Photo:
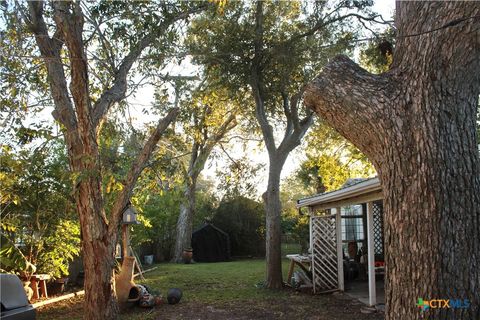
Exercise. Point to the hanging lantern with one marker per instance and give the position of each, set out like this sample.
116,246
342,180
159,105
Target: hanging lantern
130,216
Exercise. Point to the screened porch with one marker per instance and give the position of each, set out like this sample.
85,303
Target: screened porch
346,240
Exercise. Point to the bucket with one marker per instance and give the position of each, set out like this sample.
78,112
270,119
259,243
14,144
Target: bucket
187,255
148,259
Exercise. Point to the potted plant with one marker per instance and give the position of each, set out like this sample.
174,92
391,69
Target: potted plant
61,247
187,255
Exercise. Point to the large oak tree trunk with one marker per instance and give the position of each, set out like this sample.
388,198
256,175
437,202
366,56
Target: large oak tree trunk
416,123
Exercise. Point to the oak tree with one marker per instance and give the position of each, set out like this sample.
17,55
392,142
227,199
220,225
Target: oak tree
416,123
210,114
271,50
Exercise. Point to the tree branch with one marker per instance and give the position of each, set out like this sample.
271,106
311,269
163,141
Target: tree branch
50,51
69,19
193,157
137,168
228,156
257,84
226,126
294,102
210,143
107,46
345,94
322,24
118,89
288,114
293,140
296,128
241,138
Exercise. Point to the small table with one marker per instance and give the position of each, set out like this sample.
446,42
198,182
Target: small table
303,261
35,281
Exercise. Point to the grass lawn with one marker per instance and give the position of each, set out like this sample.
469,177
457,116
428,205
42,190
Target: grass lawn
224,291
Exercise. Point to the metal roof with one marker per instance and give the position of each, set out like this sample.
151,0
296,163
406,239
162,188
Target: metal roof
351,191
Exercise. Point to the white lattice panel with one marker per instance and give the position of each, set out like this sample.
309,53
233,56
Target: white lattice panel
324,257
378,226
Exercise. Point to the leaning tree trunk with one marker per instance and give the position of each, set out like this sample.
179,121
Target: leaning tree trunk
183,237
273,209
416,123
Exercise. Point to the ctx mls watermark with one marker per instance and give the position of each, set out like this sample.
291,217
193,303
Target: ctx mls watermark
425,305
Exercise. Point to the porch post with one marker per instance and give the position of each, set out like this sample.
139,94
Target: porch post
310,230
312,252
372,295
338,231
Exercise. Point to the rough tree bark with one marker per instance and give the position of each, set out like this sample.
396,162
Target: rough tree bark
81,121
416,123
201,150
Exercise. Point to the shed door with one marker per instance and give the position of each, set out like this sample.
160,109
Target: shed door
324,257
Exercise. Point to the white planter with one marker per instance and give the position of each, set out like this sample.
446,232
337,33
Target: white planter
148,260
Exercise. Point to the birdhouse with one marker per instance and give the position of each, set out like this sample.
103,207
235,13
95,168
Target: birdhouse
130,216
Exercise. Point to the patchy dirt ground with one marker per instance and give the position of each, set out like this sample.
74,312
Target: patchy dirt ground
225,290
296,306
318,308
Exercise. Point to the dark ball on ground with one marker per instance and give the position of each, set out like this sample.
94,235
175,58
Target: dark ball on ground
174,295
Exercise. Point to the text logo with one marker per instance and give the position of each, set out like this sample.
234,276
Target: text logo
424,305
